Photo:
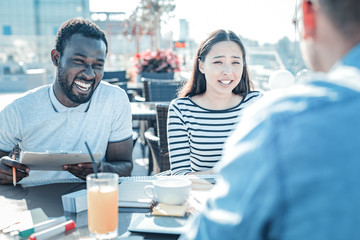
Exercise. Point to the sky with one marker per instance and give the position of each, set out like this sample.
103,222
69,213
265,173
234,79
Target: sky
266,21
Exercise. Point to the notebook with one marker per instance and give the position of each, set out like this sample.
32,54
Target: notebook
131,195
147,223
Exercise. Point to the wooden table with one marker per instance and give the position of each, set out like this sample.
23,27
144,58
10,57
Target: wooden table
143,111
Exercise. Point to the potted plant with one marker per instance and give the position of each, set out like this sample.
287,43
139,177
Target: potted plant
160,64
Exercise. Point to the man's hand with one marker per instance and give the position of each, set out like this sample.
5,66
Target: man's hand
81,170
6,165
118,160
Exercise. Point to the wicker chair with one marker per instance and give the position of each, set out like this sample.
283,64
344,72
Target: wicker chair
153,143
152,75
158,144
160,90
155,90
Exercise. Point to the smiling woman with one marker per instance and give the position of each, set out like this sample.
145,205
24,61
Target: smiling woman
210,104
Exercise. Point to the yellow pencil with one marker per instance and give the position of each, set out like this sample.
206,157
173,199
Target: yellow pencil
14,173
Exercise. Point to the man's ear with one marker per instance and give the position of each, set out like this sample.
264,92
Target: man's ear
308,18
55,57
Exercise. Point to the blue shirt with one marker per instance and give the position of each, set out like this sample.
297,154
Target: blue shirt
292,170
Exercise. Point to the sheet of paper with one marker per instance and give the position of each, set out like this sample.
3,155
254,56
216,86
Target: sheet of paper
10,210
54,161
17,221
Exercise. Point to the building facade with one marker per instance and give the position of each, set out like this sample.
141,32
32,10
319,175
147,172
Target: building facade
28,27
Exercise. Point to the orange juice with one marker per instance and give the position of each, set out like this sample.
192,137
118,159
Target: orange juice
102,194
102,209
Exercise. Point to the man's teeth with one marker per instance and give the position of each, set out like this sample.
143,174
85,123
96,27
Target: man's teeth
225,81
84,86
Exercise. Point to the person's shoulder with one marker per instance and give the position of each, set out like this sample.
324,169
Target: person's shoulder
180,102
302,98
110,90
33,95
253,95
105,86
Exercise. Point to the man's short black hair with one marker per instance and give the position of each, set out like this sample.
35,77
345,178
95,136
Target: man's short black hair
344,14
75,26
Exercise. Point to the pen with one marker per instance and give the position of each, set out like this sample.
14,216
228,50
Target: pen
53,231
14,172
42,226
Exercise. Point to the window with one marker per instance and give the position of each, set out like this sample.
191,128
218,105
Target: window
6,30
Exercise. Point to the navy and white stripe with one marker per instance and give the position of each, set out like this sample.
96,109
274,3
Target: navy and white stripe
196,135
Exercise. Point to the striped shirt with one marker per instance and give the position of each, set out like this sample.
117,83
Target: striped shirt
196,135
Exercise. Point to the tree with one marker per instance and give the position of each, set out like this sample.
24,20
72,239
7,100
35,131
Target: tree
290,54
146,20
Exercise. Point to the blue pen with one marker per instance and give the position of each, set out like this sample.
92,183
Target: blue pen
42,226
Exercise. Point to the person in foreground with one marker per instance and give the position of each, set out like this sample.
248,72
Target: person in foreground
291,169
209,105
77,107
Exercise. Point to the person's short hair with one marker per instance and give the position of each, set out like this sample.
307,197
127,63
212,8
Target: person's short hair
343,13
77,26
197,83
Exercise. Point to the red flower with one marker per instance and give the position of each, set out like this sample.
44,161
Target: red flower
158,61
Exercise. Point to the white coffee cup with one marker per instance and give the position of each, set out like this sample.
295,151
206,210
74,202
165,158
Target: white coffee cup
172,191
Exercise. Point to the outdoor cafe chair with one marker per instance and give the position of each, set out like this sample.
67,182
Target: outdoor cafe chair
158,143
153,75
156,91
115,76
160,90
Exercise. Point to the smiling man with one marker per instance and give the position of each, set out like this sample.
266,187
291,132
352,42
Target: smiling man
77,107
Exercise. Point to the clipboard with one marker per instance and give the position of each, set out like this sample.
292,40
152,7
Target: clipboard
53,161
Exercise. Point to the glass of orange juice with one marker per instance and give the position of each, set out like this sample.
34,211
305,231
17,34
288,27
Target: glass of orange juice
102,196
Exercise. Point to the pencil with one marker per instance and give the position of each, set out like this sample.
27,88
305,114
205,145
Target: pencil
14,173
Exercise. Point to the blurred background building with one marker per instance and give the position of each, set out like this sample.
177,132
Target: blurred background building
28,29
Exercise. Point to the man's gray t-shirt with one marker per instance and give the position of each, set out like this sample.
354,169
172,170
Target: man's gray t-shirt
38,122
